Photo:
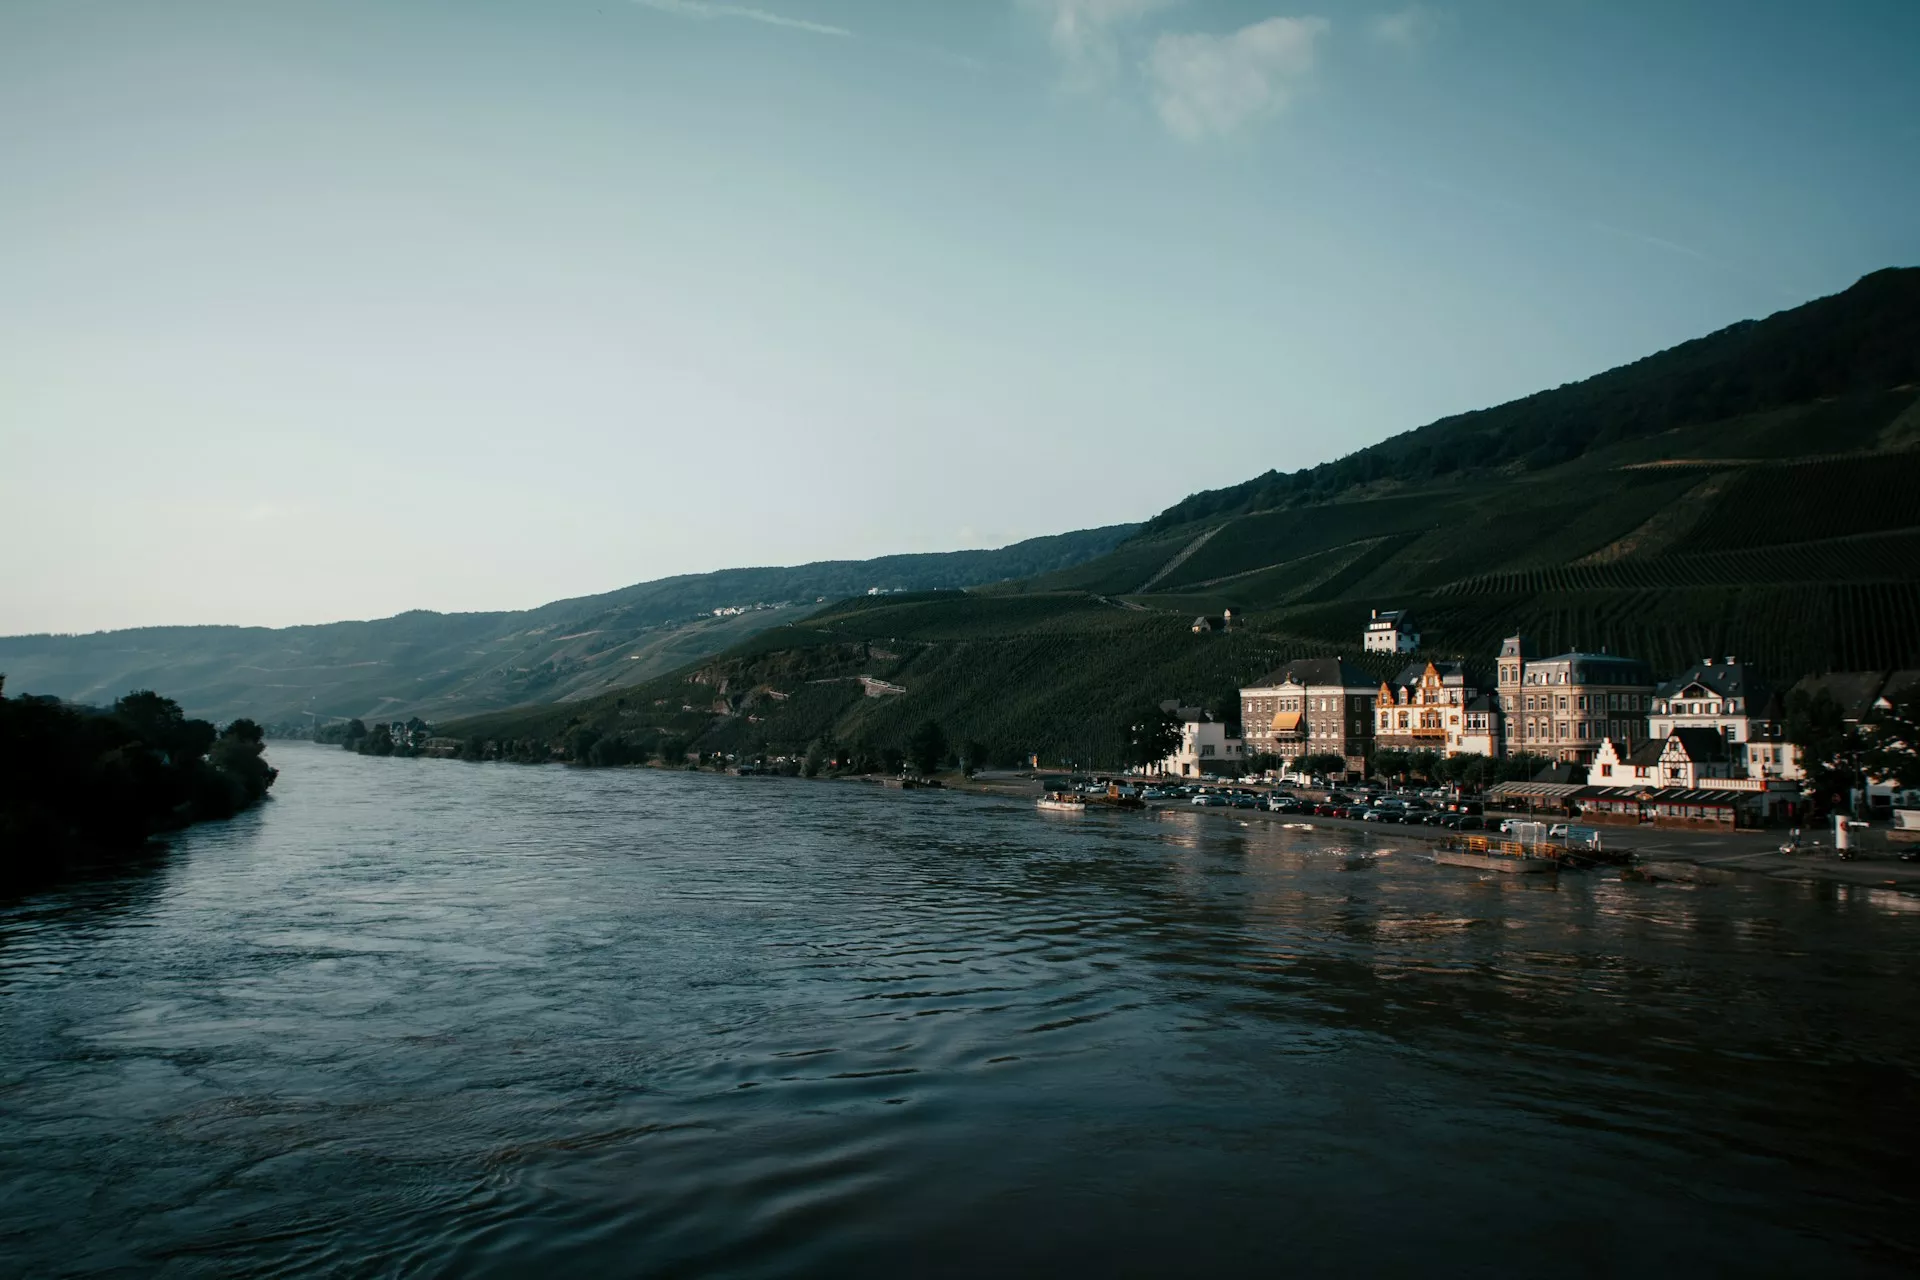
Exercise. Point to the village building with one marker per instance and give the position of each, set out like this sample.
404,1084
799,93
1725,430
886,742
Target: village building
1206,624
1565,706
1390,631
1479,729
1727,698
1424,708
1311,706
1690,778
1206,746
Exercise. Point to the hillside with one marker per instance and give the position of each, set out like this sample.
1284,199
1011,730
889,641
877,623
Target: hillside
436,665
1786,532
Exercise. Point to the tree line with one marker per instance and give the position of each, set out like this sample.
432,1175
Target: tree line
76,781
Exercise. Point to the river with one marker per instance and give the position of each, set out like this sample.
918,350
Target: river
435,1018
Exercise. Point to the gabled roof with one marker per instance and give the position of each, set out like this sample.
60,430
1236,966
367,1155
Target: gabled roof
1703,746
1322,672
1391,618
1647,754
1414,672
1485,702
1562,774
1719,679
1517,647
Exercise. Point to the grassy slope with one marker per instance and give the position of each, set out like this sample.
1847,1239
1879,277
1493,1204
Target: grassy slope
437,665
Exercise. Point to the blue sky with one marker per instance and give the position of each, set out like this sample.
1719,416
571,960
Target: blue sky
331,308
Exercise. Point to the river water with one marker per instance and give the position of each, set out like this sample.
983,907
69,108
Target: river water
449,1019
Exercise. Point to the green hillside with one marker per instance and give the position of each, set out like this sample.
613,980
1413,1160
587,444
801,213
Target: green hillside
436,665
1754,493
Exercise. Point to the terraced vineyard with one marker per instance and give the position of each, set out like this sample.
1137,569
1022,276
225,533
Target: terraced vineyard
1874,557
1831,498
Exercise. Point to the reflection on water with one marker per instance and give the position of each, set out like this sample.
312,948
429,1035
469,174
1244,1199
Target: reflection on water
464,1020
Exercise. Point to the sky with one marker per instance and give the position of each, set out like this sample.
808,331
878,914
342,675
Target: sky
324,309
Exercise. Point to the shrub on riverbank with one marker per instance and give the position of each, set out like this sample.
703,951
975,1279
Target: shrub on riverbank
75,780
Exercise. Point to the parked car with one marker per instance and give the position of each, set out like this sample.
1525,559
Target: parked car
1558,831
1208,799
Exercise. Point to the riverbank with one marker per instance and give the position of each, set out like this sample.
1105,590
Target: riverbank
1698,856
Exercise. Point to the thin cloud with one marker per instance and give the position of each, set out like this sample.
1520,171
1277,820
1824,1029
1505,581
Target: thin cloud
1407,29
706,11
1206,84
1086,33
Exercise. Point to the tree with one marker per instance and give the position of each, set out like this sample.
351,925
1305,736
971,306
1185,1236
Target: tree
973,756
891,760
926,746
1830,747
1390,762
1153,734
1893,742
1323,762
816,758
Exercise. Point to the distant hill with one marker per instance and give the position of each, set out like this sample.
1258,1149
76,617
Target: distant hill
1755,493
436,665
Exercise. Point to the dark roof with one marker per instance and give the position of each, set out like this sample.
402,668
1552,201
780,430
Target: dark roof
1410,674
1561,773
1517,647
1485,702
1395,617
1722,679
1703,746
1320,671
1647,753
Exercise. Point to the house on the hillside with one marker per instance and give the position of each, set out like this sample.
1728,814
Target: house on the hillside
1206,624
1390,631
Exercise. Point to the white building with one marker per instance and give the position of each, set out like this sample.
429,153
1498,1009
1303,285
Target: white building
1725,698
1391,631
1204,746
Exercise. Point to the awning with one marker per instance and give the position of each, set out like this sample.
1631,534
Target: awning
1536,790
1705,798
1286,721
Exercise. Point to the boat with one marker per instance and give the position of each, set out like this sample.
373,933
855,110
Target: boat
1508,857
1503,862
1062,802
